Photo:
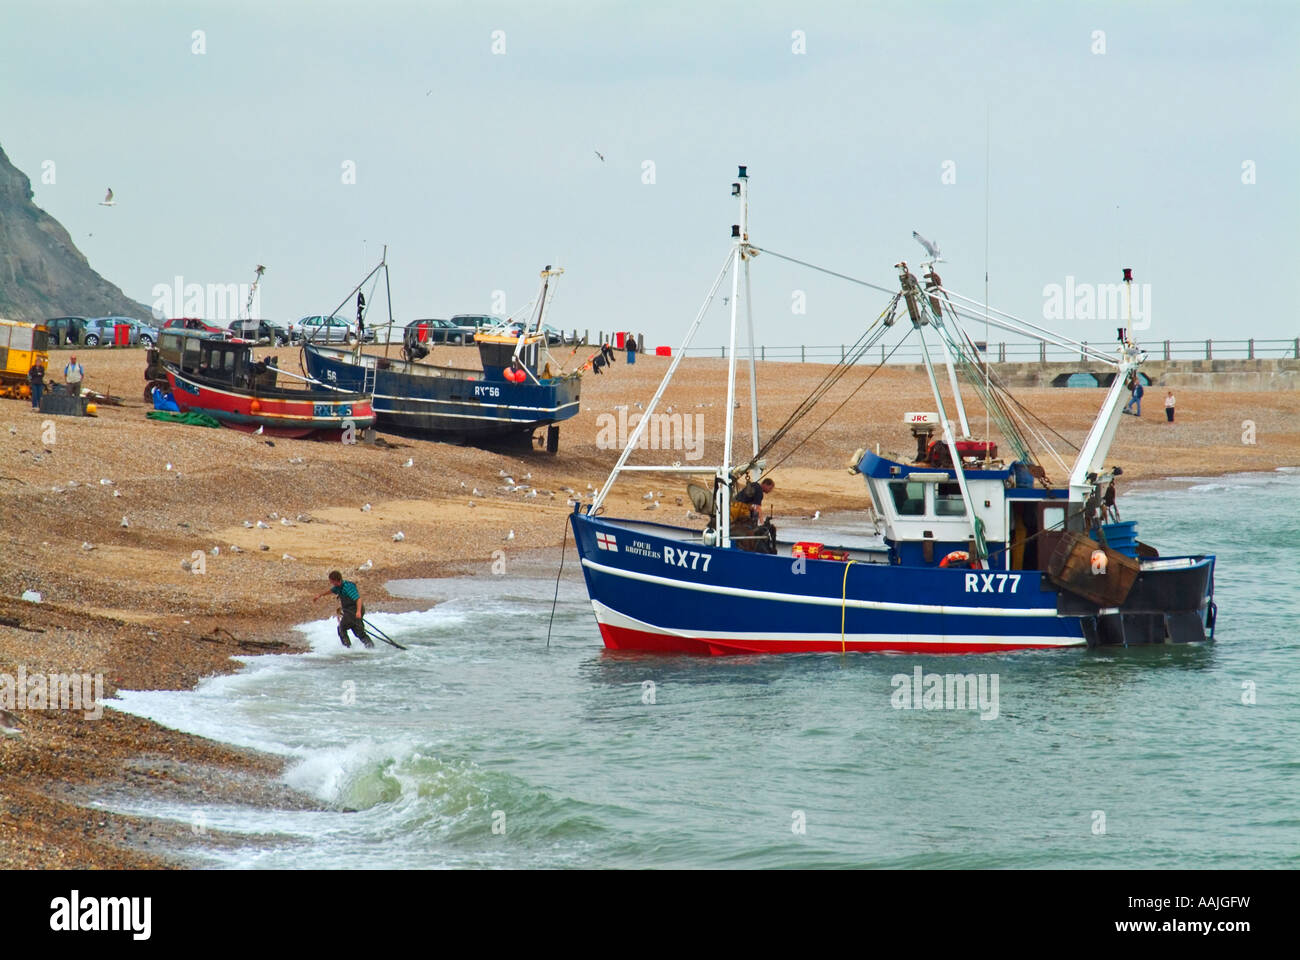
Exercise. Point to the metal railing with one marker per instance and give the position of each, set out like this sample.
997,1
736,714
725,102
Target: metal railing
1167,350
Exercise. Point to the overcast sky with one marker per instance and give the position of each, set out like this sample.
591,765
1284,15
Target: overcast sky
1120,135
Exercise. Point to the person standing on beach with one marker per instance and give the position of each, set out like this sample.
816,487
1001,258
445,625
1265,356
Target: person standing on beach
36,381
631,349
1169,406
351,610
1136,398
72,376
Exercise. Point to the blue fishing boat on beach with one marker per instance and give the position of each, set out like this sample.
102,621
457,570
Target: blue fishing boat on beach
519,389
969,551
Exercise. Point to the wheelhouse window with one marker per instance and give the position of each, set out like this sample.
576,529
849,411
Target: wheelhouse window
948,501
909,497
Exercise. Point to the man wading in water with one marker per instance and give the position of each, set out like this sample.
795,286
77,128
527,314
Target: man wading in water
351,610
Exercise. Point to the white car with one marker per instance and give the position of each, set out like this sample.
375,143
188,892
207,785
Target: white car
321,329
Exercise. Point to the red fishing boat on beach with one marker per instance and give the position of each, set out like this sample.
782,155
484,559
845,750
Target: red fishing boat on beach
221,379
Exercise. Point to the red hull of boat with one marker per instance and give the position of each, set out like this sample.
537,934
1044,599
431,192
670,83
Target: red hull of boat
325,417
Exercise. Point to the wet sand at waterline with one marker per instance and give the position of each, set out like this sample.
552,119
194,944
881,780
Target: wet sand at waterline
127,609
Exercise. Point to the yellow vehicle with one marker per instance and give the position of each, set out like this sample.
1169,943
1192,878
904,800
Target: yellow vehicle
21,345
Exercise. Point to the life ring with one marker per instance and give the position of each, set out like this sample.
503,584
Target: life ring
956,557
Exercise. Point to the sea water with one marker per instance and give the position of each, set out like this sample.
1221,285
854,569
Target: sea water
482,746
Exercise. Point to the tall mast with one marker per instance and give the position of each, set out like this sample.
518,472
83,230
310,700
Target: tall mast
747,255
911,292
738,246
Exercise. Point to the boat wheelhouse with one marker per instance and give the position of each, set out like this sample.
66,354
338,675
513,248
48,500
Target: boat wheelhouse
222,379
963,551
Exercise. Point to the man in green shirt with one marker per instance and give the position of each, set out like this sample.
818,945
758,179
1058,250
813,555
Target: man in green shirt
351,610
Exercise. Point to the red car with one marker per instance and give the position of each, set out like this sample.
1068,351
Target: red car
190,323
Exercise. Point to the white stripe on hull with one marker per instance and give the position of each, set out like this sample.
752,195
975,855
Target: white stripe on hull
930,608
459,403
612,618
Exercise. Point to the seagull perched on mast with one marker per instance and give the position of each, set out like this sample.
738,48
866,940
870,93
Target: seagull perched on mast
108,200
931,248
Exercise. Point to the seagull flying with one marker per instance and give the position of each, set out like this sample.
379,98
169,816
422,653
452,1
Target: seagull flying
598,153
108,200
931,248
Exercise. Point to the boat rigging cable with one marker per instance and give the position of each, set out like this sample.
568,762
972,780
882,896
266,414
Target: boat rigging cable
564,542
1000,404
832,414
869,338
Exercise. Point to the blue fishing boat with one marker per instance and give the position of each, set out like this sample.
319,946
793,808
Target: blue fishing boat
965,552
519,389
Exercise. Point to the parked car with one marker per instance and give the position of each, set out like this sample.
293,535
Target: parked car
440,331
66,331
190,323
556,337
102,332
147,334
477,321
322,329
259,331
